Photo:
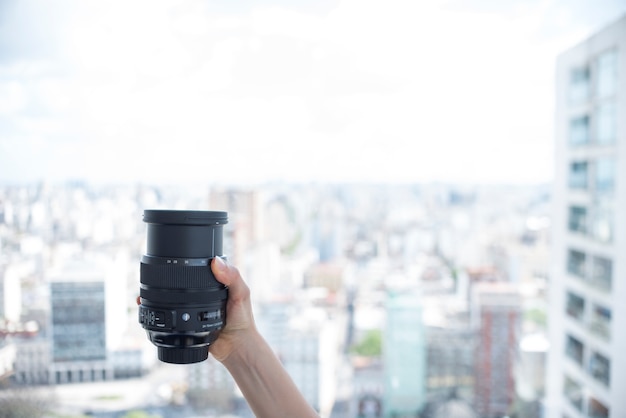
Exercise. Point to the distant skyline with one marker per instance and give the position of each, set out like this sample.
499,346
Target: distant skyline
249,92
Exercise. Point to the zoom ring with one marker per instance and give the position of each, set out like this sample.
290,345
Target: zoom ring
176,277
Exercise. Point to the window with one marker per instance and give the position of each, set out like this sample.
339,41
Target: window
605,175
606,126
600,368
579,130
574,349
578,219
576,263
607,73
579,84
600,322
597,409
602,222
602,273
575,306
573,392
578,175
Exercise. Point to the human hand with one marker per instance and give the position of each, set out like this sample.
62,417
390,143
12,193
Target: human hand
240,324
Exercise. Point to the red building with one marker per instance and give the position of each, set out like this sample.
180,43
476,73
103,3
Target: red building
496,310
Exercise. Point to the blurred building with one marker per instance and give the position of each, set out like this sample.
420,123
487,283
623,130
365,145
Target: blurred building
450,360
10,290
306,342
77,301
404,355
210,386
587,316
496,308
7,358
87,320
244,227
530,374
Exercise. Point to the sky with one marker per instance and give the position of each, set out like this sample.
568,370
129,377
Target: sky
248,92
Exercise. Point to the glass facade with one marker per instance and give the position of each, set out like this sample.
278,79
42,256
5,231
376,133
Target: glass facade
78,321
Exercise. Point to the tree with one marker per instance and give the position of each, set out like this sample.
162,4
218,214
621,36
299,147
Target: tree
24,403
371,344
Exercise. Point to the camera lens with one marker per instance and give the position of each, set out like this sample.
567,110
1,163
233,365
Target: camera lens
183,306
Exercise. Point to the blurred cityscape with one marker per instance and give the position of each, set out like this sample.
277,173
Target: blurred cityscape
425,297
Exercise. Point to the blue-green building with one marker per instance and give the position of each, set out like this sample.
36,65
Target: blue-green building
404,355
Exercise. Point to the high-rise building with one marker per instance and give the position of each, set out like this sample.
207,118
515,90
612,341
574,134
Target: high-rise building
85,307
404,355
244,226
496,308
587,314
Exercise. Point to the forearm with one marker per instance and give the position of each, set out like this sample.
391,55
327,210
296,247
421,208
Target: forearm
264,382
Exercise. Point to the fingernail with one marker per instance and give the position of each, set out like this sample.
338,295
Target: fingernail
219,264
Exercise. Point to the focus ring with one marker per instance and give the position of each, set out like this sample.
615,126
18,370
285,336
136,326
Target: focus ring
178,277
172,296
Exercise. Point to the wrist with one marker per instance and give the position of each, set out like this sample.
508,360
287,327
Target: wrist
245,346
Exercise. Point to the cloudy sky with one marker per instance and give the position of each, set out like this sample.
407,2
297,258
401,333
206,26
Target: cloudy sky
253,91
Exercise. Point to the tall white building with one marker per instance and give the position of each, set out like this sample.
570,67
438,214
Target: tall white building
587,315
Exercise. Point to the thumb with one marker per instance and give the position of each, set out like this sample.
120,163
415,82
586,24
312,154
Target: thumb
221,271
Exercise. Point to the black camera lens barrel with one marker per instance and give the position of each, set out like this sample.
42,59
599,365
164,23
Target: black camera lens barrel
185,233
183,306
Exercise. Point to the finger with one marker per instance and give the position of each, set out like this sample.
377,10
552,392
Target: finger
224,273
138,300
229,276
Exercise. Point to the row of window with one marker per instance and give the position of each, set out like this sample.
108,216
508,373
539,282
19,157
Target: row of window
594,222
595,79
595,270
598,366
597,320
593,175
573,391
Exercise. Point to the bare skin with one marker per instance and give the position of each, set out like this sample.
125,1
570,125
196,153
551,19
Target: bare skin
264,382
